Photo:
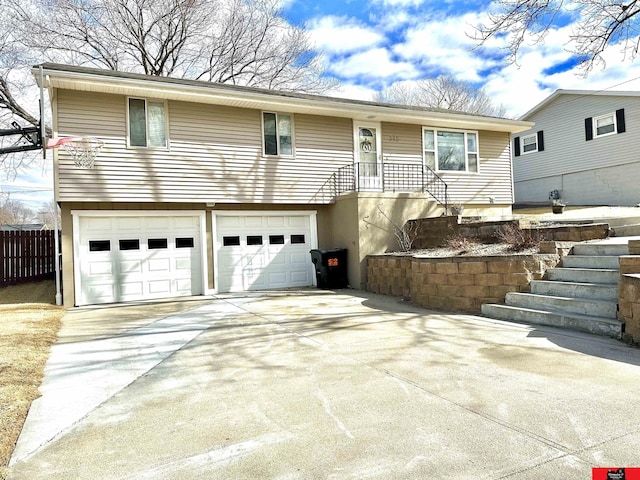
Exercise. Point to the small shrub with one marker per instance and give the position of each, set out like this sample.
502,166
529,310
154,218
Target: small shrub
517,238
460,243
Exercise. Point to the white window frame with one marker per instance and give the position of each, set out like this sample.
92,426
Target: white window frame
522,140
601,117
278,154
466,150
166,123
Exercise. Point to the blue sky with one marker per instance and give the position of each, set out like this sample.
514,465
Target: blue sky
370,45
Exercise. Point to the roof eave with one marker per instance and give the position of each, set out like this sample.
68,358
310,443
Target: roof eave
218,95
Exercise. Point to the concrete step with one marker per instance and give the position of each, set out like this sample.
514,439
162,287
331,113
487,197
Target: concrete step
584,275
585,323
627,230
593,291
582,306
608,262
599,249
619,221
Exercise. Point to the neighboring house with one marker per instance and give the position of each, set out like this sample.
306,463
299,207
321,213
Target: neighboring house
584,146
205,188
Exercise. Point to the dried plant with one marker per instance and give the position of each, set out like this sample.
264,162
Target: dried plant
461,243
518,239
405,235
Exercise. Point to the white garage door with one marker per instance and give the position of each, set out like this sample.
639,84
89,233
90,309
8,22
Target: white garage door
259,252
125,258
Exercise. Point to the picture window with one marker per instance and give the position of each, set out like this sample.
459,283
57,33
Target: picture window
451,150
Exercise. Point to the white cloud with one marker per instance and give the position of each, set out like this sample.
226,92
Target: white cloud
443,45
373,64
340,35
355,92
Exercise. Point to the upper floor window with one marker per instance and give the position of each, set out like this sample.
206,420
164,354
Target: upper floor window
147,123
277,129
530,144
604,125
451,150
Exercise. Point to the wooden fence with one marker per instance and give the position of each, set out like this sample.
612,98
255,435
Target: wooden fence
26,256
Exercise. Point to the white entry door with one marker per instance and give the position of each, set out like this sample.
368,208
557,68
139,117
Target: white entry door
123,258
266,250
368,147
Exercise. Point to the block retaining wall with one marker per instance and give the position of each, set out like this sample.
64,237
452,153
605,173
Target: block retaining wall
433,232
629,293
455,283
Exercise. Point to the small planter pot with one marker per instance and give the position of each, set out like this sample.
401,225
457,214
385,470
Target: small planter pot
557,208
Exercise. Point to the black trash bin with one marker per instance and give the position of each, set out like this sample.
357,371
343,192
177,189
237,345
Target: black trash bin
331,267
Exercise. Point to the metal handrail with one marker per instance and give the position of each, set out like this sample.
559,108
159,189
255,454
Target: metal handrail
395,177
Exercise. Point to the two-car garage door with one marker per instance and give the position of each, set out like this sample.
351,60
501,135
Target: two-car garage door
122,257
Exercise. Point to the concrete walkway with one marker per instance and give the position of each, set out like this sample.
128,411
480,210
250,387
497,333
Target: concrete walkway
313,384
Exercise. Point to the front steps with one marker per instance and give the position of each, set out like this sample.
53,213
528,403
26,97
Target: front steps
581,295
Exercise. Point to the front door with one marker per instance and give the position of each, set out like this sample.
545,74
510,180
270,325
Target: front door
368,156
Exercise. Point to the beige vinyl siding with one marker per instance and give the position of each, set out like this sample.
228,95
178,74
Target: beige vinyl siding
493,183
215,155
401,143
565,147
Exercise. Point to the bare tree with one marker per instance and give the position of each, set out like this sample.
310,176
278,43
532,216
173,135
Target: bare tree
47,214
443,92
14,212
599,25
244,42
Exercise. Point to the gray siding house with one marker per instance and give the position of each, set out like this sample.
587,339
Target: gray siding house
584,146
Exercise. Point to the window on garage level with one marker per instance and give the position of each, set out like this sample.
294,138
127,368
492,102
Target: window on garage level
231,241
297,239
184,242
99,245
276,239
278,133
254,239
147,123
129,244
157,243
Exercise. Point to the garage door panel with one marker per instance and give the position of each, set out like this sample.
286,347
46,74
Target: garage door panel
282,260
100,267
159,265
160,287
137,272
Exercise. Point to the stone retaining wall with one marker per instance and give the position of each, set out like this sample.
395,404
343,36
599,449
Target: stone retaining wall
629,292
433,232
455,283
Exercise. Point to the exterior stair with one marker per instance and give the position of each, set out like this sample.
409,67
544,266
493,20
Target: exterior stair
581,295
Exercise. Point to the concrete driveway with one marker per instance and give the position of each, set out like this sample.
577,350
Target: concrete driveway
314,384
